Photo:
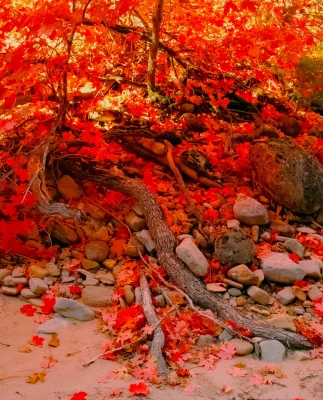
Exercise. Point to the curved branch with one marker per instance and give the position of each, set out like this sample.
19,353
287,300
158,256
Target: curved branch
166,244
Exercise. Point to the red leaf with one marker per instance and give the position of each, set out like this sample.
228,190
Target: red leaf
209,215
294,257
139,389
75,290
28,310
79,396
37,341
48,306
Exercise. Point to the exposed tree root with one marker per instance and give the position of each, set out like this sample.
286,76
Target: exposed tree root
157,345
165,243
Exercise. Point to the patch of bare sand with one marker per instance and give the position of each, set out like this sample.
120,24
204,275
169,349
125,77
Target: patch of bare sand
81,341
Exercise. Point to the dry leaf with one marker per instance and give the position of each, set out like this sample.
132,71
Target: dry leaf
226,389
37,376
54,341
25,350
240,365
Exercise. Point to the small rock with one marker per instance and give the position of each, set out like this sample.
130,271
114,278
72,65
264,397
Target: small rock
233,223
10,291
285,296
129,294
234,247
65,273
28,294
3,273
90,281
291,126
145,238
35,302
259,295
63,233
225,336
68,279
278,267
96,250
68,188
72,309
116,270
109,263
10,281
298,292
190,254
102,234
307,316
52,270
266,236
255,233
89,264
261,276
106,278
205,340
294,246
38,286
213,287
305,229
135,222
311,268
242,274
133,247
299,310
235,292
272,351
18,272
36,271
95,296
200,239
241,301
249,211
53,325
160,300
226,296
243,347
233,302
282,321
307,303
314,293
65,253
282,228
138,210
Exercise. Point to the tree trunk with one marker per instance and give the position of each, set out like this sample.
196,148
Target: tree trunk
179,274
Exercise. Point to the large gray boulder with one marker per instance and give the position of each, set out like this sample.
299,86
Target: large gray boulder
278,267
288,174
74,310
192,256
249,211
234,247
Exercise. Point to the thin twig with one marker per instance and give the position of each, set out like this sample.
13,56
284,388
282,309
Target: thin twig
129,344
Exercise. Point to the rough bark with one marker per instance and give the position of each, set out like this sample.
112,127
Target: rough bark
159,338
165,243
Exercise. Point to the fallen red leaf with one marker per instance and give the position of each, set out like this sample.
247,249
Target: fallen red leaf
37,341
139,389
28,310
79,396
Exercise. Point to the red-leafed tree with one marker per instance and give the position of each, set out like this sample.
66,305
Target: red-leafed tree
82,81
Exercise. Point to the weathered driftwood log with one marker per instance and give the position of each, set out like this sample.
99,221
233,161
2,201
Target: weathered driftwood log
165,243
157,344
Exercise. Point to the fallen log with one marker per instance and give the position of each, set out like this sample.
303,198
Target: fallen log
179,274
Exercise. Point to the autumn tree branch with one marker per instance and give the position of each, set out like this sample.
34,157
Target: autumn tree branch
156,24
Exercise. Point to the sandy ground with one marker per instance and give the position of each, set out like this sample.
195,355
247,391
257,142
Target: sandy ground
81,341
